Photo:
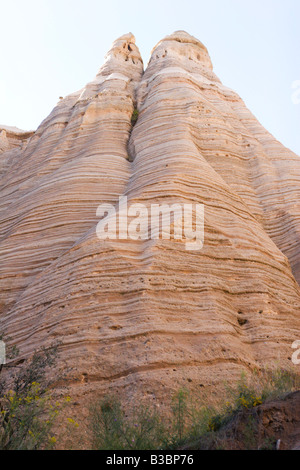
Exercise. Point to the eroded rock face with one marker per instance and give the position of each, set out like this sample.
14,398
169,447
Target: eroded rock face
145,317
12,140
12,137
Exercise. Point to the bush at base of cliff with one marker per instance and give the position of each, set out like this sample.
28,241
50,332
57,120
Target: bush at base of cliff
26,410
192,423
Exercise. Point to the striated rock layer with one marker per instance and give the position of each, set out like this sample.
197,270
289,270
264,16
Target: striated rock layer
145,317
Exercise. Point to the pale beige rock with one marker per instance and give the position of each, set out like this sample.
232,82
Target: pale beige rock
4,143
146,317
12,137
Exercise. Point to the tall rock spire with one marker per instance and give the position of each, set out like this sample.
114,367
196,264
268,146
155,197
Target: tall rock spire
184,46
145,317
123,54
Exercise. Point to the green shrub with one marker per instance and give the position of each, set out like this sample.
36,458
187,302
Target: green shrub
180,414
262,385
26,410
111,430
134,117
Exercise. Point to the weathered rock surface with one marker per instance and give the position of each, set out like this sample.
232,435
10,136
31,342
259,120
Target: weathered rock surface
148,316
12,140
12,137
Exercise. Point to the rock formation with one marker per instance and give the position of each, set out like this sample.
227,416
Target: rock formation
146,317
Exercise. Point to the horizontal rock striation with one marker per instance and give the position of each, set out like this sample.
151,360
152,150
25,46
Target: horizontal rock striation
147,316
76,159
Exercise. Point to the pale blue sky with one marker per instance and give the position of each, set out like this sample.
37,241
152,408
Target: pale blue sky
50,48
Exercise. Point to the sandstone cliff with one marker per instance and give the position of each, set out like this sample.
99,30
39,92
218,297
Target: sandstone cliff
148,316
